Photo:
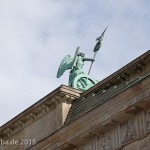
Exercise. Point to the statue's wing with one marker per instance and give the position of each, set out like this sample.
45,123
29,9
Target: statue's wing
75,57
66,63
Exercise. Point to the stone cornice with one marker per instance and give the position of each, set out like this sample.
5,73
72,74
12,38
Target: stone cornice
39,109
64,94
136,67
92,124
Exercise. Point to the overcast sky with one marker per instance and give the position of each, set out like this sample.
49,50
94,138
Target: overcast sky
35,35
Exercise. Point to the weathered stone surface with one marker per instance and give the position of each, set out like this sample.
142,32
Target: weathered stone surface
38,121
121,122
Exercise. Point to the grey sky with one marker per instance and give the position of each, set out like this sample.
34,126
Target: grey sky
35,35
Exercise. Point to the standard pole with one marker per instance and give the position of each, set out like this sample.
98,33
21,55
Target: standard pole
92,63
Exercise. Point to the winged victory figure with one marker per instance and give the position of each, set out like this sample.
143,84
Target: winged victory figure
77,78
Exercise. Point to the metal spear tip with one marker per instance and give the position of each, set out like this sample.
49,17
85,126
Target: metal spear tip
105,29
102,35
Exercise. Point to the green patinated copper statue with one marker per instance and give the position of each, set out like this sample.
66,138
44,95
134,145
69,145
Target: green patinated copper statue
77,78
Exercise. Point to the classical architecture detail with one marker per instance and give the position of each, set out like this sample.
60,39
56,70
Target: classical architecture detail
44,108
20,124
110,123
123,77
88,136
32,116
114,114
67,99
140,67
134,109
69,146
106,143
147,123
39,111
128,131
8,131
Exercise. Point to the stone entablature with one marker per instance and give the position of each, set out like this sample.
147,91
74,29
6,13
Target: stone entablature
114,125
137,68
51,105
122,120
110,87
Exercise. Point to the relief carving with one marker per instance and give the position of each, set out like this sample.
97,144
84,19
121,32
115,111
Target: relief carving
106,143
148,120
128,131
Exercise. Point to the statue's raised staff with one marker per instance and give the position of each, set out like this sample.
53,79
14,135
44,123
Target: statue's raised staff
77,78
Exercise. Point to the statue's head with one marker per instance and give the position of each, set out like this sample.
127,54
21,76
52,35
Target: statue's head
81,54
